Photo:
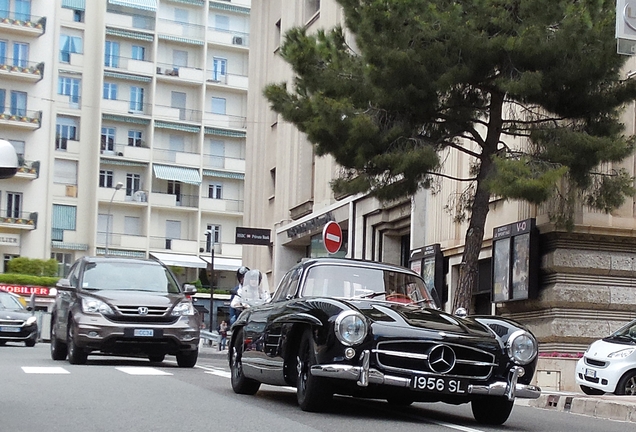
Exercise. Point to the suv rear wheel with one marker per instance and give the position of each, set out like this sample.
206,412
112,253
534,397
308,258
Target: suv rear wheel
58,348
187,359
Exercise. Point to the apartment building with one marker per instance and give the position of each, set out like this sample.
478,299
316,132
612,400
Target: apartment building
129,117
584,278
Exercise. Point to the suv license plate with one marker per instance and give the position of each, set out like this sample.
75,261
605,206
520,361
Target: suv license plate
5,329
590,373
438,384
144,333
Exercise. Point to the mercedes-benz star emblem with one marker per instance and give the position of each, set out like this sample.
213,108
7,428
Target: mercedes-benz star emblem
441,359
142,310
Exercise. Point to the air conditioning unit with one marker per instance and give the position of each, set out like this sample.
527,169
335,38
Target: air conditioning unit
140,196
237,40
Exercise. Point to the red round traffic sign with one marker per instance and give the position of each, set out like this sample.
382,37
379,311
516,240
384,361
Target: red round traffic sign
332,237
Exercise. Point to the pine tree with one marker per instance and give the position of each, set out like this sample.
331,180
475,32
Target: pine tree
530,90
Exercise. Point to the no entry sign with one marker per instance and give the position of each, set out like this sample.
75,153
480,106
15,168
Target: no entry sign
332,237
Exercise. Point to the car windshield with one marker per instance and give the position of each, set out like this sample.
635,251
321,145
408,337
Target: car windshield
128,276
626,333
10,303
359,282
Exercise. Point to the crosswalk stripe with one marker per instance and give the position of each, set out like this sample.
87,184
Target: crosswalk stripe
44,370
141,371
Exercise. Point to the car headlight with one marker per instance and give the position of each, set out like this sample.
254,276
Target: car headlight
350,328
91,305
522,347
622,353
30,321
183,309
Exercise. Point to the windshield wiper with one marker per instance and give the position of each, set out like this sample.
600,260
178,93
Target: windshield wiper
371,295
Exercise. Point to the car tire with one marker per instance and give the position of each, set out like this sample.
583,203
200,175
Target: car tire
2,342
240,383
59,349
591,391
29,342
313,393
157,358
493,410
76,354
187,359
627,384
400,401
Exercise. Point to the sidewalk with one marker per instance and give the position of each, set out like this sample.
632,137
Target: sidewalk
608,406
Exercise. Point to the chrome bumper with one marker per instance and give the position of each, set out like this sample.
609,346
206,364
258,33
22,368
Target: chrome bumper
364,375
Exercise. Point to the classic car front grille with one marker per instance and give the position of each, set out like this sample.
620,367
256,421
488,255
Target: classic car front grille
412,357
597,363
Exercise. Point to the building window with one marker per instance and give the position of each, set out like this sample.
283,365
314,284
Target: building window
69,87
14,204
78,16
133,183
3,52
222,22
69,45
218,105
215,191
18,103
111,54
219,69
65,130
23,10
106,178
215,231
20,54
65,172
132,225
136,99
2,98
311,8
4,8
138,52
65,260
108,139
134,138
174,188
110,91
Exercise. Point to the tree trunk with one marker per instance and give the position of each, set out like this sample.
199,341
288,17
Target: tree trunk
469,267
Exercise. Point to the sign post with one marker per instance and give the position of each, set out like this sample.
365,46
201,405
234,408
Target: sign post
332,237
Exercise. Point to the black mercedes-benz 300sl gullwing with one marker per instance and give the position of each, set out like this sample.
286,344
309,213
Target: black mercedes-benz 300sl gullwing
372,330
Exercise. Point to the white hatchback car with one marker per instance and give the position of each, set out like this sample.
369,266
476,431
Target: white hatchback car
609,364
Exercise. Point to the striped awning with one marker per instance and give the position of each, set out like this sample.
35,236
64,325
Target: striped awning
184,175
125,119
149,5
180,39
127,77
190,2
179,260
121,253
229,7
129,34
224,132
64,217
122,162
69,246
74,4
223,174
177,126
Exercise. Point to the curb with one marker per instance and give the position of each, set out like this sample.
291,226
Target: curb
611,407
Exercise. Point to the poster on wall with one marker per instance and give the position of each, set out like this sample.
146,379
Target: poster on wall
515,261
428,262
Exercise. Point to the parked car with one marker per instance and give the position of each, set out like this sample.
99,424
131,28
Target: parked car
17,322
372,330
609,364
123,306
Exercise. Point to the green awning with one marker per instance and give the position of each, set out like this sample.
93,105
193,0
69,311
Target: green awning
224,132
69,246
64,217
149,5
177,126
180,39
229,8
127,77
74,4
129,34
125,119
122,162
184,175
190,2
223,174
121,253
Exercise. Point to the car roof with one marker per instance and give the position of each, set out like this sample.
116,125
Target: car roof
97,259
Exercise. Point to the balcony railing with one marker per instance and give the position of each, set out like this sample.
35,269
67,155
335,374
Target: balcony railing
225,121
181,29
190,73
16,66
122,106
223,162
129,64
123,20
166,112
21,117
23,21
181,157
11,217
230,80
29,169
180,200
228,37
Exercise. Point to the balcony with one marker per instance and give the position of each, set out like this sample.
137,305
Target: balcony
122,106
224,249
22,220
68,102
162,199
119,240
187,75
21,119
181,31
224,121
221,205
23,25
223,162
129,21
127,151
27,71
227,81
238,40
134,66
177,157
29,170
70,146
170,113
174,245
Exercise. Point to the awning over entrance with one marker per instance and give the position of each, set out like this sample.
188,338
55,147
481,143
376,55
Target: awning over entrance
231,264
179,260
185,175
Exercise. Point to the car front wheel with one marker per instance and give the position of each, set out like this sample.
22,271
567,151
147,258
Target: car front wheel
591,391
240,383
58,348
313,393
627,384
187,359
29,342
492,410
76,354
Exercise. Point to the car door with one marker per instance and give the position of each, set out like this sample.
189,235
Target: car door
63,301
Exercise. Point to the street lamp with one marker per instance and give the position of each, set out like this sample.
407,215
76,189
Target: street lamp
118,186
210,235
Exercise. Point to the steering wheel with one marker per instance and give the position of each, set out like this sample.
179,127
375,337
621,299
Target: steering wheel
399,298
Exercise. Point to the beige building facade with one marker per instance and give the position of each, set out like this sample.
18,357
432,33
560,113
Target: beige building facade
130,119
585,277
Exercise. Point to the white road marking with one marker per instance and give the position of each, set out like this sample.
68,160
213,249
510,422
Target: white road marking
44,370
219,373
141,371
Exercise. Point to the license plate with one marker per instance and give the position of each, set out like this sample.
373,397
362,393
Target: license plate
590,373
5,329
144,333
438,384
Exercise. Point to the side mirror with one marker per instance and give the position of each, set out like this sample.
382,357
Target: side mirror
8,160
189,289
64,285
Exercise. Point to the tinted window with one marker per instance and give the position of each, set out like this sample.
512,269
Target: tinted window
123,276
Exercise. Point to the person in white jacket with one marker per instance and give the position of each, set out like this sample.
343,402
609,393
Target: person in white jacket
254,291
